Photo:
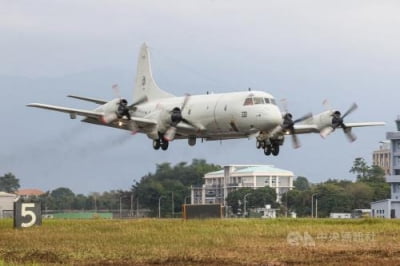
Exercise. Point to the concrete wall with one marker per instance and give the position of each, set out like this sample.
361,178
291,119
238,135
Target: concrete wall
6,202
380,209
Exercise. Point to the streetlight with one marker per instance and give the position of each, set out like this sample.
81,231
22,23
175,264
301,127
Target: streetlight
312,204
244,200
159,206
120,207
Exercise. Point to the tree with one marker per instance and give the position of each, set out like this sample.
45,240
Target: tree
301,183
61,199
9,183
168,180
360,168
256,198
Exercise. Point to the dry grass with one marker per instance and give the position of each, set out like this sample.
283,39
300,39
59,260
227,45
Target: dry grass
199,242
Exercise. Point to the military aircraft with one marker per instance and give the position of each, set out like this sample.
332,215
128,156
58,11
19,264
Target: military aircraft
164,117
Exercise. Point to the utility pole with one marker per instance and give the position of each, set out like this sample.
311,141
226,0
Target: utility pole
316,207
244,208
132,204
95,203
120,207
159,206
312,204
173,207
137,206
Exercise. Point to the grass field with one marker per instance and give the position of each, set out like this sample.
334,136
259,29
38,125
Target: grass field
199,242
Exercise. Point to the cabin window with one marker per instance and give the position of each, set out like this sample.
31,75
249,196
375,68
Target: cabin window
248,101
258,100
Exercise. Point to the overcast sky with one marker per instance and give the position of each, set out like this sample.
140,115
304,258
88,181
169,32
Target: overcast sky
303,51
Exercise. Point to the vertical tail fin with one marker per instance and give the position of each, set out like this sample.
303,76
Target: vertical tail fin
145,84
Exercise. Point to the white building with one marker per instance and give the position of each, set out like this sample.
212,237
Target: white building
6,204
340,215
382,157
266,212
219,184
390,208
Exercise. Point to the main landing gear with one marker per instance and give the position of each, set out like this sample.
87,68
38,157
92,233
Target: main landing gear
269,147
160,143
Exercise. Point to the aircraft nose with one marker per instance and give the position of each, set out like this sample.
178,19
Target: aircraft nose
276,118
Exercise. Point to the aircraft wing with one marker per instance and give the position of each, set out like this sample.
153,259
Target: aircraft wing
93,117
142,124
98,101
313,128
365,124
71,111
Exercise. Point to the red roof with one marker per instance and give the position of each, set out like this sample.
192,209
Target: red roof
29,192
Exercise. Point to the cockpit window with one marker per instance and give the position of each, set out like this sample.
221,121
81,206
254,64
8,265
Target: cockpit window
248,101
267,100
273,101
258,100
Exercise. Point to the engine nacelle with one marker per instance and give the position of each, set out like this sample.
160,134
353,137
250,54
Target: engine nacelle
110,110
324,119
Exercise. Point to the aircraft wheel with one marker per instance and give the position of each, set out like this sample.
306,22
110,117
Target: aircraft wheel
258,144
156,144
268,150
164,145
275,150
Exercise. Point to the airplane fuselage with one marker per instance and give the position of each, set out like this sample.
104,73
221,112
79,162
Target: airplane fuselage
221,115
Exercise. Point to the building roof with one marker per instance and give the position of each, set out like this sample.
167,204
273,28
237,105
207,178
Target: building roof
253,170
29,192
5,194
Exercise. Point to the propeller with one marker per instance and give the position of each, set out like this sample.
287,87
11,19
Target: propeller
176,118
287,127
123,109
338,121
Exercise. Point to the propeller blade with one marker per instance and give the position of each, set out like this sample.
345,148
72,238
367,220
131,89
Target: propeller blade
139,101
350,136
351,109
326,131
170,134
133,127
276,130
284,105
115,88
295,141
304,117
326,104
190,123
185,100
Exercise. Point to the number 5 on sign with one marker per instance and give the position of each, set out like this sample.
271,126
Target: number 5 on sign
27,214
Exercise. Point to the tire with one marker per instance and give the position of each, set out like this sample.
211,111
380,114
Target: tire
258,144
164,145
275,150
156,144
268,150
